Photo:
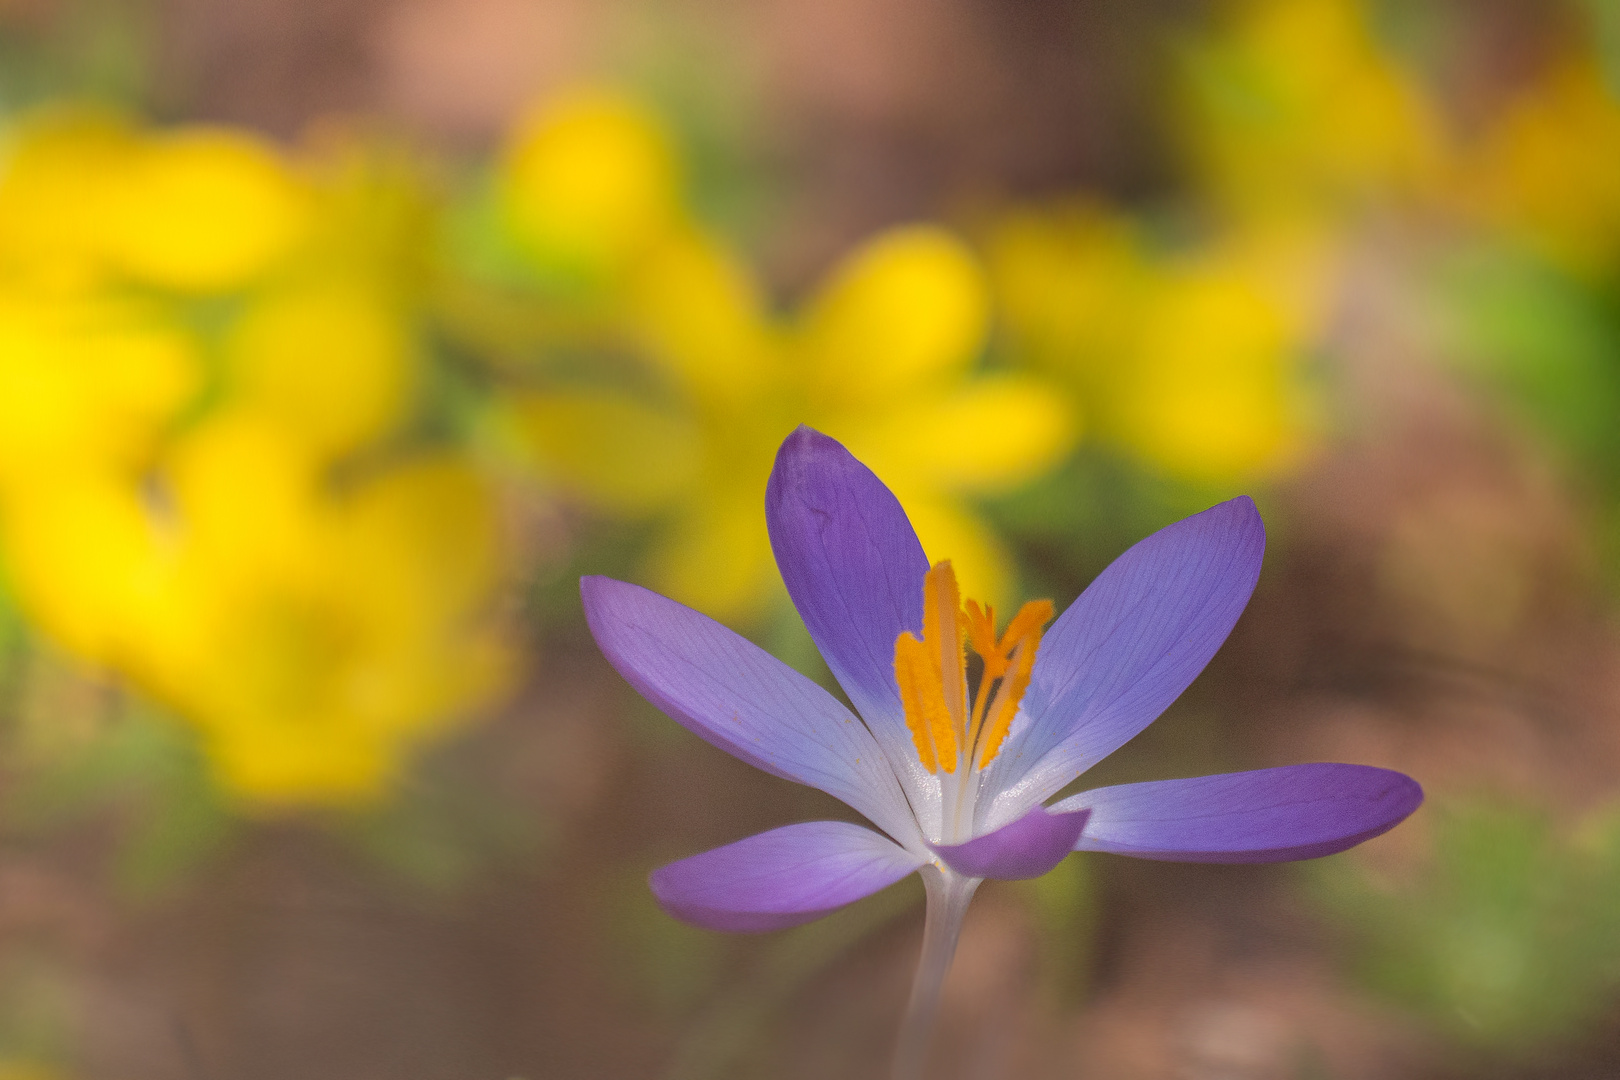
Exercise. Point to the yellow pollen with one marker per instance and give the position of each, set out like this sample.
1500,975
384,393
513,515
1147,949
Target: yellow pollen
950,726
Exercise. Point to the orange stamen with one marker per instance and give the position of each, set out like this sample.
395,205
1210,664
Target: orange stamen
1008,696
931,672
942,629
923,697
1028,622
982,635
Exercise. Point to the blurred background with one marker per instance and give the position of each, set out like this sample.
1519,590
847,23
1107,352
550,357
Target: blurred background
338,339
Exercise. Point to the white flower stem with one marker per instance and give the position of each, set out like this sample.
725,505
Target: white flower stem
948,896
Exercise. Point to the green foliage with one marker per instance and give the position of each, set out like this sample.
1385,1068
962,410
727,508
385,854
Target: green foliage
1068,525
1549,343
731,1030
79,48
13,640
439,832
1064,903
1510,938
1605,21
36,1011
147,770
670,966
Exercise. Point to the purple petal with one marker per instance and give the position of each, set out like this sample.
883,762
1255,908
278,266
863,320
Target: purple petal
1269,815
1128,647
781,878
854,568
727,690
1027,848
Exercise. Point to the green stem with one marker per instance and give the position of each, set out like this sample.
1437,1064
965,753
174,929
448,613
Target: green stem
948,896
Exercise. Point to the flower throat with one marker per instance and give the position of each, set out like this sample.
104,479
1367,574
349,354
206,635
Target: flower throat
952,723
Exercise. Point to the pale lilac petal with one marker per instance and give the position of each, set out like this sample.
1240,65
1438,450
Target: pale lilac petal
1127,648
781,878
855,570
1269,815
1027,848
732,693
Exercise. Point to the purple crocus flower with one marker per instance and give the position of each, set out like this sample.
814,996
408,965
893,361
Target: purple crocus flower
955,764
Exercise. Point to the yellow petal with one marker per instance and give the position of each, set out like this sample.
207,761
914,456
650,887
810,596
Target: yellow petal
1216,388
332,360
716,556
1299,110
909,306
700,315
203,209
1069,283
84,382
992,434
424,536
56,180
89,565
589,179
617,453
247,493
315,760
319,671
1549,167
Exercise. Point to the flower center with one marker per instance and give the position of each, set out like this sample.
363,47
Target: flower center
952,722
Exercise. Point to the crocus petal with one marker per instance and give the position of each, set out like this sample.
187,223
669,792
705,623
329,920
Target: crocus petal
1269,815
1027,848
1127,648
727,690
855,569
781,878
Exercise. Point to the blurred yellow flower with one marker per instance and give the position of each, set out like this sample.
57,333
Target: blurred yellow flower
883,356
324,632
207,356
86,381
587,181
329,359
585,186
1192,360
1548,168
199,209
162,223
1194,355
1296,112
29,1070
